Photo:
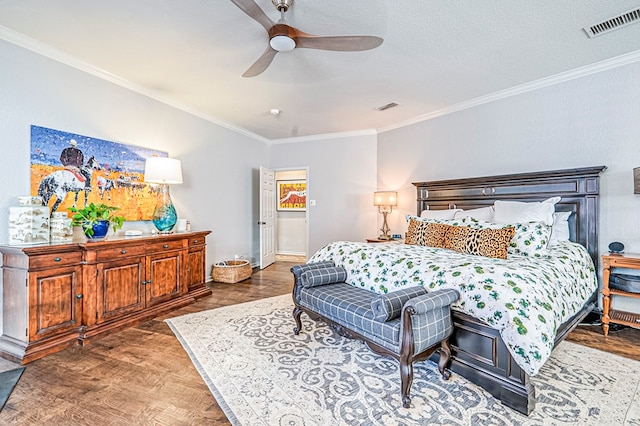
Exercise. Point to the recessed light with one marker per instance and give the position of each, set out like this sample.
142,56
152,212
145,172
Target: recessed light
274,111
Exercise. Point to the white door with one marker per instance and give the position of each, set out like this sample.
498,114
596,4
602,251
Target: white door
267,217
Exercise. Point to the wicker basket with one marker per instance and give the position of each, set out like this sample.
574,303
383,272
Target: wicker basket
231,271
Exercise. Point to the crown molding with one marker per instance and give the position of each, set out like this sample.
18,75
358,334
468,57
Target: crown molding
43,49
607,64
325,136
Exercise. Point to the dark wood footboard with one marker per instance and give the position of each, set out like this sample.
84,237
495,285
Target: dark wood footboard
480,355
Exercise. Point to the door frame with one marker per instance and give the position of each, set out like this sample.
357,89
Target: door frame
306,218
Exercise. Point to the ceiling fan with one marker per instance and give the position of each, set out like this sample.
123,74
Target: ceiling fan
285,38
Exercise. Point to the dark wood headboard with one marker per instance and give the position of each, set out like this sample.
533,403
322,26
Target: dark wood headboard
579,189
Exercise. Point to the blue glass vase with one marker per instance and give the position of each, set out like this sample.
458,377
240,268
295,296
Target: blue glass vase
164,216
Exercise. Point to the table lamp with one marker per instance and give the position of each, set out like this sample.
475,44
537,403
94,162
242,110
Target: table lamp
385,200
163,171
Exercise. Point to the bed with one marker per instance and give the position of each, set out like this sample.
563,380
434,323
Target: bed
480,352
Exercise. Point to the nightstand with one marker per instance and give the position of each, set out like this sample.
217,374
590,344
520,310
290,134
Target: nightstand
630,261
378,240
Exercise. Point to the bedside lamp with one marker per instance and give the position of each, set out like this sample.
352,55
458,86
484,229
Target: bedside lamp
385,200
163,171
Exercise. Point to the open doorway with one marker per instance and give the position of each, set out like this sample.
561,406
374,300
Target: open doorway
291,236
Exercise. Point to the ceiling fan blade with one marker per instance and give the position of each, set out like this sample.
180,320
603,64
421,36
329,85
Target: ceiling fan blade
340,43
254,11
262,63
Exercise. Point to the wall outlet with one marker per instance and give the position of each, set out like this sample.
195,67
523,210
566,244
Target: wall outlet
397,236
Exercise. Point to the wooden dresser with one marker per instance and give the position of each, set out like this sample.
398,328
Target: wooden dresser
59,295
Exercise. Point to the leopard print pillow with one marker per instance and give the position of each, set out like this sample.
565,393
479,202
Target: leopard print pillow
434,234
481,242
422,233
411,237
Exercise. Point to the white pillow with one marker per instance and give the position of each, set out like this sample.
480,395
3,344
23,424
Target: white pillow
560,229
519,212
439,214
482,213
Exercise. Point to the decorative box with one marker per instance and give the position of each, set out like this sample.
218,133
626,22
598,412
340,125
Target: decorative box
28,225
29,200
60,227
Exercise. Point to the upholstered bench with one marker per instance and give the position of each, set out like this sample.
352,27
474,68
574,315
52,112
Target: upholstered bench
409,324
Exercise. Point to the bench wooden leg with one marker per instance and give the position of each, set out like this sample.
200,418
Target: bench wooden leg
406,379
296,317
445,356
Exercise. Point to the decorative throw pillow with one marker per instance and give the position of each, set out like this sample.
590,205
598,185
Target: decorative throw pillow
298,270
531,239
482,242
414,229
323,276
388,306
426,233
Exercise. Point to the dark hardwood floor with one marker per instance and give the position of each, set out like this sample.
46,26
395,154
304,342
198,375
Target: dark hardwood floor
142,375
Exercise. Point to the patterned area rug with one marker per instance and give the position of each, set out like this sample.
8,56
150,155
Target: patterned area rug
261,373
8,381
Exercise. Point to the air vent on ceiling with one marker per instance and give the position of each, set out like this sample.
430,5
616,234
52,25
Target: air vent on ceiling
387,106
627,18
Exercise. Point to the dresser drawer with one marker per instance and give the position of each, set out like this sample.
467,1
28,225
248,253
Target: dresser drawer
116,253
164,246
54,259
196,241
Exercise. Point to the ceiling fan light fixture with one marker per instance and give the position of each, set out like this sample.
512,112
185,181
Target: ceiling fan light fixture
282,5
282,43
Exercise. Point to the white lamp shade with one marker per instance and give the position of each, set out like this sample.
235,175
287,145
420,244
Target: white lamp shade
385,198
163,170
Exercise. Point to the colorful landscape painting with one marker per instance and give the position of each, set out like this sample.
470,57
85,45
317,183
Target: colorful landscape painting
66,167
292,195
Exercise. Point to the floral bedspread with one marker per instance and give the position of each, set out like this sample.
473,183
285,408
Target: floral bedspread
525,298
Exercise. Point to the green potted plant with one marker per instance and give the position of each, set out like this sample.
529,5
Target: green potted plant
95,220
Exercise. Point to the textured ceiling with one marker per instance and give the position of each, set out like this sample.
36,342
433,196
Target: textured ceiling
436,54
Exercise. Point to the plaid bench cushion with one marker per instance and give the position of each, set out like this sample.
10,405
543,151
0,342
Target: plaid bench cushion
389,306
351,307
323,276
298,270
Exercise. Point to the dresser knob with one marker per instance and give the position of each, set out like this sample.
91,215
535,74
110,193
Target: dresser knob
78,296
166,246
123,252
57,259
195,241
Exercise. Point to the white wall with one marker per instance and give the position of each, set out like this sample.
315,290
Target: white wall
342,179
217,162
589,121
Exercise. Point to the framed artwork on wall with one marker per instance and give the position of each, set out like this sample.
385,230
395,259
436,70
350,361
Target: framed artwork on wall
292,195
68,169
